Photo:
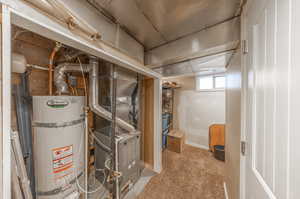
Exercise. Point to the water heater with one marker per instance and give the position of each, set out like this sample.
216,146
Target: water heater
58,123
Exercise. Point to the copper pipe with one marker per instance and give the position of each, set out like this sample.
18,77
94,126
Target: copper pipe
50,73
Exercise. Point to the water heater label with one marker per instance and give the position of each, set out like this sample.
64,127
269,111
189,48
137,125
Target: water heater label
57,103
62,158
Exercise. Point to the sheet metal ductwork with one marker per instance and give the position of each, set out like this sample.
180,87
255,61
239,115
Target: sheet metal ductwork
93,69
127,97
207,65
93,99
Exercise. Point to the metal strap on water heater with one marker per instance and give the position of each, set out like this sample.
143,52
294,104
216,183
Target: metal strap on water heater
58,124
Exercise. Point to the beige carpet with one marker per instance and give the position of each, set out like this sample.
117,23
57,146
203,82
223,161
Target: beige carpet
193,174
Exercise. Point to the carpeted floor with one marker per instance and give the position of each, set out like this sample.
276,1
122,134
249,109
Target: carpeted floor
193,174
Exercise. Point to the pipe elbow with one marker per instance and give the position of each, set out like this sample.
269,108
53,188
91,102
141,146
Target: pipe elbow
60,80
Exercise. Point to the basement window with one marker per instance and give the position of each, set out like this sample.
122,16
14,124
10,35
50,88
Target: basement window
219,82
210,83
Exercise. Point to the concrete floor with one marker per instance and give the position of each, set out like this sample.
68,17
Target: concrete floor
146,176
193,174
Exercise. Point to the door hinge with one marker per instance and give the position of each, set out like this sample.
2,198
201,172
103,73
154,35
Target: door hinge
243,148
244,46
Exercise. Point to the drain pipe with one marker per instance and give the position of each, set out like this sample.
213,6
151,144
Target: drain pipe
94,97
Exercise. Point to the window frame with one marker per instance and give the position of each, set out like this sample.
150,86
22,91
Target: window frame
214,89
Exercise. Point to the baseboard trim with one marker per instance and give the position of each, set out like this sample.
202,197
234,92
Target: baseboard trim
225,191
197,145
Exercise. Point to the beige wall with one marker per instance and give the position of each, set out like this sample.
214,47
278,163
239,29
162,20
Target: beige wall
233,127
195,111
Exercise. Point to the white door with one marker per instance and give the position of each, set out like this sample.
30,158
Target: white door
267,29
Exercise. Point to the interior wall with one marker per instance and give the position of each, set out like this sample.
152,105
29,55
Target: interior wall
233,127
195,111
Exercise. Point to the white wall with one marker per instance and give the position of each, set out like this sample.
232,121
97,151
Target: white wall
195,111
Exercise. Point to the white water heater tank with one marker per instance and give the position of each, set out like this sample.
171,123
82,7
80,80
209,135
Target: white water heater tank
58,123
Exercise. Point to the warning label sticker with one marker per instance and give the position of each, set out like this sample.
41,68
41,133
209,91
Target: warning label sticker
62,158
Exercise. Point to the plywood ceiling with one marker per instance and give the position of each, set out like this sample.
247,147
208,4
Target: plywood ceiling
156,22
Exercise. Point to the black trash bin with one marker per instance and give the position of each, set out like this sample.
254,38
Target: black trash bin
219,152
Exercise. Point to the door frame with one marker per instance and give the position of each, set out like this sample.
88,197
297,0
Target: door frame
6,101
243,102
244,94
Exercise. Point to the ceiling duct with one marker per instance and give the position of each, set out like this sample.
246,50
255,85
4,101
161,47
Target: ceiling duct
200,66
155,23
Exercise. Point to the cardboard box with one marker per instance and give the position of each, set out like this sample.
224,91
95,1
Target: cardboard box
175,141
